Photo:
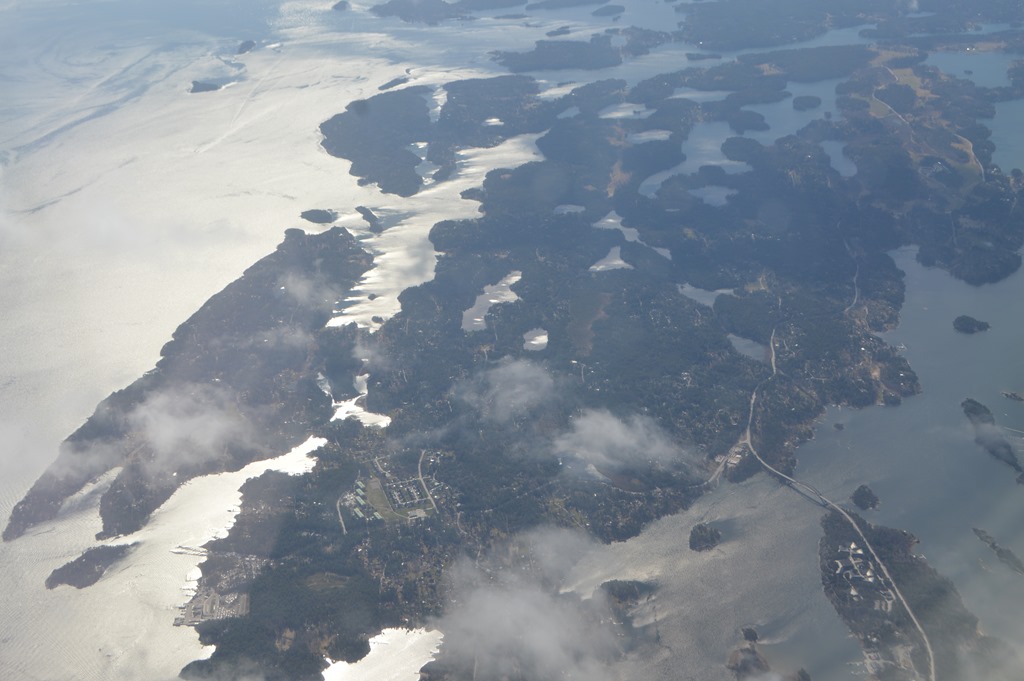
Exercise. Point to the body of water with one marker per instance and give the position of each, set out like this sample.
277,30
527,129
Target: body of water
921,458
1008,135
984,68
989,69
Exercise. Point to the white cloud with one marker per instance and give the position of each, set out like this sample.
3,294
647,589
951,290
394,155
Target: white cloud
510,389
512,627
600,438
186,425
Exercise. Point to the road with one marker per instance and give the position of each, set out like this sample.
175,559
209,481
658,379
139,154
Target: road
337,506
419,473
856,276
809,491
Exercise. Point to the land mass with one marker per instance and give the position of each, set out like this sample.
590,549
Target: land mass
703,537
87,569
864,498
969,325
1005,555
864,599
990,437
238,379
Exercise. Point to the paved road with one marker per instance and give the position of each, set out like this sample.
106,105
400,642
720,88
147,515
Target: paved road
808,491
419,473
337,506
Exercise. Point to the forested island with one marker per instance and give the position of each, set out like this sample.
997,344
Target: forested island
990,437
864,499
1005,555
703,537
866,600
87,569
969,325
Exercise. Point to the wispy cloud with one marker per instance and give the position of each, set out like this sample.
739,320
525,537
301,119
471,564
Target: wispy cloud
510,389
283,337
554,551
186,426
308,291
515,623
600,438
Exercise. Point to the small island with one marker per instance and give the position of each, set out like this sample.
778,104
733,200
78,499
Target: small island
703,537
871,602
969,325
87,569
371,219
988,435
1005,555
319,216
745,662
806,102
748,664
864,498
202,86
393,83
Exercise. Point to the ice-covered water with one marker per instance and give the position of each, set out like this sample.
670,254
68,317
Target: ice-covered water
612,261
1006,129
403,254
614,221
475,318
395,655
764,574
119,628
984,68
535,340
920,458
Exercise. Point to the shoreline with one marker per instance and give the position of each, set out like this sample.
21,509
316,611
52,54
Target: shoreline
395,655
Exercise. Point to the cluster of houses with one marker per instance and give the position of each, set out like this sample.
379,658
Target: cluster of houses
406,493
859,574
209,605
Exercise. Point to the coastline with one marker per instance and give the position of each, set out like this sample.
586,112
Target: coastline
395,655
363,313
928,442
